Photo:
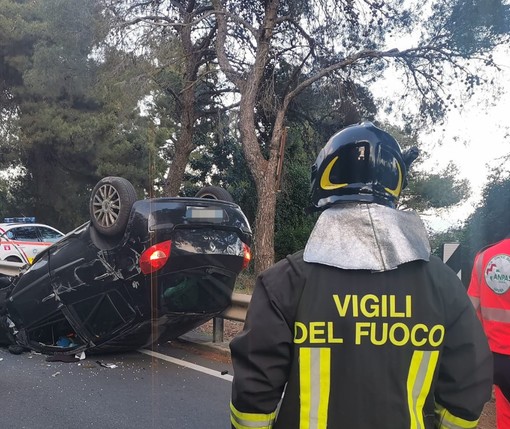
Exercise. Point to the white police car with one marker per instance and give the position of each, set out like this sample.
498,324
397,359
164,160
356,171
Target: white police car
21,238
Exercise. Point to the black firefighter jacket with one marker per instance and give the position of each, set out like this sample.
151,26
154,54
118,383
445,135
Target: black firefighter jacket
400,349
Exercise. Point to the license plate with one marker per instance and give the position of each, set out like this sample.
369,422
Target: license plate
204,214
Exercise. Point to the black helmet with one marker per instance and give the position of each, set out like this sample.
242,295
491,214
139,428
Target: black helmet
360,163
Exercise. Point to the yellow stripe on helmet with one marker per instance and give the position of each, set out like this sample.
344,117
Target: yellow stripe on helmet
326,183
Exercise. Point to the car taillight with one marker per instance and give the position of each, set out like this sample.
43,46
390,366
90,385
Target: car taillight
246,256
155,257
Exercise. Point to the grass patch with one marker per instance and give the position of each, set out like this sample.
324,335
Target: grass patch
245,282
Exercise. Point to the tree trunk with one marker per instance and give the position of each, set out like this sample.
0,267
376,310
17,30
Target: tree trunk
264,174
184,144
264,226
262,168
187,98
183,148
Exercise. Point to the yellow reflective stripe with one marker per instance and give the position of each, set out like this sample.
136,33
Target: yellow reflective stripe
411,379
242,420
314,378
419,381
304,387
326,182
325,377
396,192
446,420
427,383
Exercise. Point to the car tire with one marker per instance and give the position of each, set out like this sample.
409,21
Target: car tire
13,259
215,193
110,205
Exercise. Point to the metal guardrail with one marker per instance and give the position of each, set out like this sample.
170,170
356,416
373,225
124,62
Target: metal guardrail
11,268
237,311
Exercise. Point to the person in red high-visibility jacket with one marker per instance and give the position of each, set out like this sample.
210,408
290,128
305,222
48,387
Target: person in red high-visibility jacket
489,291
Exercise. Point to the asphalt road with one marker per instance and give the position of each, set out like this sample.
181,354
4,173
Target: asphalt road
174,387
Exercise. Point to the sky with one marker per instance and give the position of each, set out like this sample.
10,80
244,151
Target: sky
474,138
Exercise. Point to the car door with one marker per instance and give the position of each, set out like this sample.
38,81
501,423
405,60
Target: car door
26,238
10,251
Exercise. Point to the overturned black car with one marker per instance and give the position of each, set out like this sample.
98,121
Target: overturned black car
140,272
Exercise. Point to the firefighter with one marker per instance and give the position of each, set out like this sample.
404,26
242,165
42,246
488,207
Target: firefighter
363,328
489,293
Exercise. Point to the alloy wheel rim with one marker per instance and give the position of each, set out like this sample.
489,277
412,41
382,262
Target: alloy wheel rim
106,205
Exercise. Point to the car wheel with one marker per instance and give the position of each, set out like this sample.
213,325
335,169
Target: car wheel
215,193
13,259
110,205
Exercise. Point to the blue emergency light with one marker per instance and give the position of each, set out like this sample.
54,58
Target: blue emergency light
23,219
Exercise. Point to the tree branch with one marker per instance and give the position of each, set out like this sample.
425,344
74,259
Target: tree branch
223,60
365,54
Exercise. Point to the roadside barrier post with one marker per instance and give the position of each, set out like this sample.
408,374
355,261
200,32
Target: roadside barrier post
218,330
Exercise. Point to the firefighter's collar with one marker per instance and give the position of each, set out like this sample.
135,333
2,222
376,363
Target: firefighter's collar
367,237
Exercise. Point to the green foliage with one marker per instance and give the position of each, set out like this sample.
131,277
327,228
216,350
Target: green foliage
326,107
314,117
438,240
20,29
52,139
437,190
69,102
427,190
71,124
219,161
293,226
5,198
474,24
490,222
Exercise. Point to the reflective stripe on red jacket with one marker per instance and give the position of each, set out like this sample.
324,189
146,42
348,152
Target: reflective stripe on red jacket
489,290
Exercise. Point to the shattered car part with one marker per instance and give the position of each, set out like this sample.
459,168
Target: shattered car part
172,267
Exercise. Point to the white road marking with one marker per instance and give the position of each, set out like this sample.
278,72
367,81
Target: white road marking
189,365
